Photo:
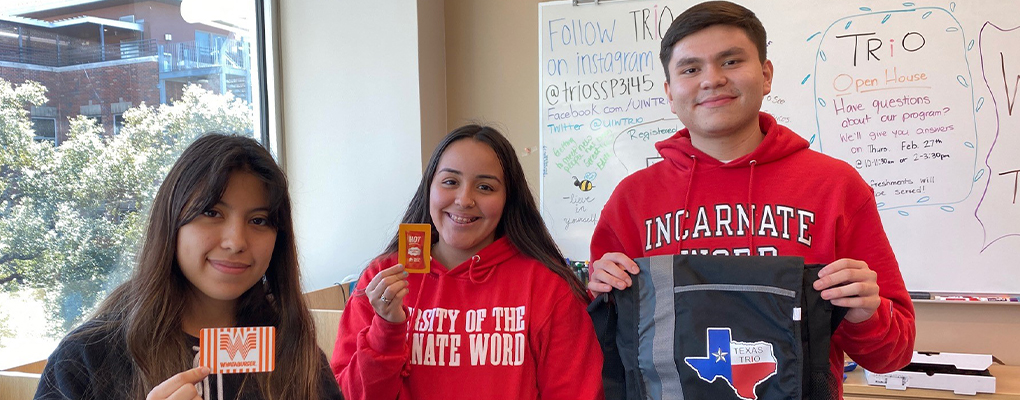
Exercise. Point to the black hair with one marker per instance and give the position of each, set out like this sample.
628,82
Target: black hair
707,14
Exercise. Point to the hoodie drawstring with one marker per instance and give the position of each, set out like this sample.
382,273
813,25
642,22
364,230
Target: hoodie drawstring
750,188
219,386
405,371
475,260
687,199
203,388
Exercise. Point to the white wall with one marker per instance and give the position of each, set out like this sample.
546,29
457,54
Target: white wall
351,126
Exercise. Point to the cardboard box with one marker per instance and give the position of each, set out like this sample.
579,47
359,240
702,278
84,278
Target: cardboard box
961,373
326,306
19,383
329,298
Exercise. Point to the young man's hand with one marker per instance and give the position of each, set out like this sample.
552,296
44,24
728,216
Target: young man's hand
851,284
612,270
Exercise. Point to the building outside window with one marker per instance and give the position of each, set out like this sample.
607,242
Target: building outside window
107,94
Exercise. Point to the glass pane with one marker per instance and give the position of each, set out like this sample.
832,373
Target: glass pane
101,107
118,123
45,129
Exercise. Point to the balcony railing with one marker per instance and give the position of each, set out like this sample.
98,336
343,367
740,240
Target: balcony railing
190,55
57,55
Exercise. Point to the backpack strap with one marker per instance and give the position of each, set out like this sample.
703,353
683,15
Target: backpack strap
820,321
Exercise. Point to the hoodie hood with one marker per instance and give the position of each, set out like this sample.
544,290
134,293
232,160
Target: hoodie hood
779,142
480,266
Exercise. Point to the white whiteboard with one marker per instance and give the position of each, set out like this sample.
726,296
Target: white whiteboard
941,150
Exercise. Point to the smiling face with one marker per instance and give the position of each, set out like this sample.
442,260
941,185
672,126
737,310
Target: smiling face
226,249
466,200
717,83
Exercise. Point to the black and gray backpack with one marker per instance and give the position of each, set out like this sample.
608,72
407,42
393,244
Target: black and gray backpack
717,327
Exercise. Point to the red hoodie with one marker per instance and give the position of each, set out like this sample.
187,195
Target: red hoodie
499,326
781,199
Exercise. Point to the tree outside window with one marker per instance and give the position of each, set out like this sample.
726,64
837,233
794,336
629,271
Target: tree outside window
93,112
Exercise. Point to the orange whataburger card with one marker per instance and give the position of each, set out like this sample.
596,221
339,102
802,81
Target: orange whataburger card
238,350
415,247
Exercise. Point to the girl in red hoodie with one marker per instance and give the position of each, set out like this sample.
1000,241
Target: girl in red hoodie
499,316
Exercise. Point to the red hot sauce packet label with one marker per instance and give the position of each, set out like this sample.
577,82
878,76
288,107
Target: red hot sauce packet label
415,247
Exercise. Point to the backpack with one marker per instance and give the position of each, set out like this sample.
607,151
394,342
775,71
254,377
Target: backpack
717,327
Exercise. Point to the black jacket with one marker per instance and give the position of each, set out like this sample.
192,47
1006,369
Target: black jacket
93,363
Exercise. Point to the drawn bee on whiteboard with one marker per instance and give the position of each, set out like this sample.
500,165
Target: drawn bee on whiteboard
585,184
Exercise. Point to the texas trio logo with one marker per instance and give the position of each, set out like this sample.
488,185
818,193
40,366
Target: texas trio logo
743,365
238,350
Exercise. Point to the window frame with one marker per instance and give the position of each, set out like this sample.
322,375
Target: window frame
263,81
118,123
56,137
266,45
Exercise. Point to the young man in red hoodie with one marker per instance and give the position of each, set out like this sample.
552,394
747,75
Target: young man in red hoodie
735,182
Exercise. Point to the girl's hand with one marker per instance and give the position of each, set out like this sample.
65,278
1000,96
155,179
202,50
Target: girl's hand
386,293
180,386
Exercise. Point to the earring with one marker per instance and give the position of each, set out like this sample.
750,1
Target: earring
266,289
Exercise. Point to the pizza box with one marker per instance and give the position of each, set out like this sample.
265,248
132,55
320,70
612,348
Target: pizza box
961,373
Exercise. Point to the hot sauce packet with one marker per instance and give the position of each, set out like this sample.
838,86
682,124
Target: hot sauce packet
415,247
238,350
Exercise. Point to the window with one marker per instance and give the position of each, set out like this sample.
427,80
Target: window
208,46
118,123
45,129
118,110
98,119
93,112
209,40
64,248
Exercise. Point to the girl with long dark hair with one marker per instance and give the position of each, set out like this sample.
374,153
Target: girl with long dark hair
219,251
499,316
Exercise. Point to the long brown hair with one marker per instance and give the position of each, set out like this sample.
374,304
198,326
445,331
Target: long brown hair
520,222
146,310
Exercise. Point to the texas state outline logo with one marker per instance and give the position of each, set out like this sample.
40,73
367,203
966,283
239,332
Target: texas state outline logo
744,365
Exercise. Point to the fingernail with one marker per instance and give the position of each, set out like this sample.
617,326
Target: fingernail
406,274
